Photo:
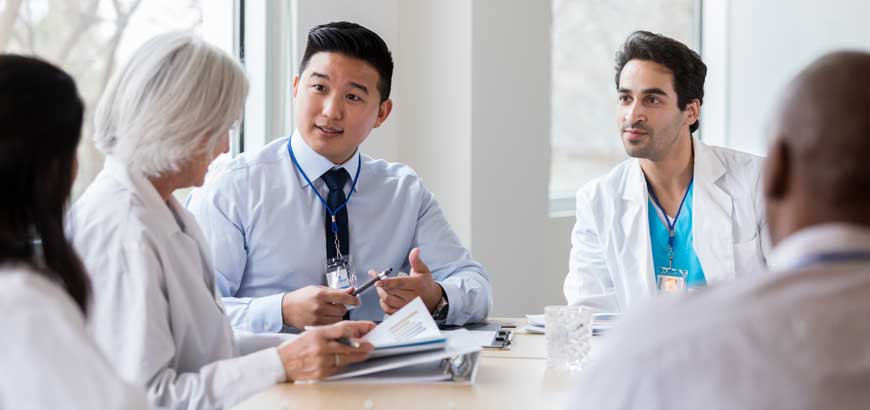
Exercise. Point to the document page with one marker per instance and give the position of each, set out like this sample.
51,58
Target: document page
410,323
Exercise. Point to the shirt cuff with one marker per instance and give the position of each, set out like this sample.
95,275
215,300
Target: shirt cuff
266,314
454,298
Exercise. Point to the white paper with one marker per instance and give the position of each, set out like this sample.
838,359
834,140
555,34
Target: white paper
483,338
412,322
536,320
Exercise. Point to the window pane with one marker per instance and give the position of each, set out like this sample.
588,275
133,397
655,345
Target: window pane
90,39
585,37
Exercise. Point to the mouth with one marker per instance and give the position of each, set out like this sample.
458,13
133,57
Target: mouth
634,134
329,131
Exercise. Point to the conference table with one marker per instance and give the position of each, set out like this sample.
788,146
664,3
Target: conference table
516,378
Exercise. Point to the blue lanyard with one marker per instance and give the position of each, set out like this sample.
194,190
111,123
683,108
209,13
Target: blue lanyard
332,212
671,225
831,257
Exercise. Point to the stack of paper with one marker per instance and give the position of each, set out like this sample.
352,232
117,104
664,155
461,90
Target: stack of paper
409,348
601,323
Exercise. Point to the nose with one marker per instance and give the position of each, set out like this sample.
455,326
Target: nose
634,113
333,107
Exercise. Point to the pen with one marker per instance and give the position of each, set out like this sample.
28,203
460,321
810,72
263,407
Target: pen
381,276
348,342
341,340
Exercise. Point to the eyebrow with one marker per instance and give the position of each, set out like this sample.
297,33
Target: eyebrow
352,84
656,91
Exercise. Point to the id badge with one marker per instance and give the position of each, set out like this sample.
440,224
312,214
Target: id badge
339,274
671,280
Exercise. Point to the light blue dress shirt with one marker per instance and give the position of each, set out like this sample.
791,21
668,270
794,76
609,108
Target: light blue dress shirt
266,230
684,251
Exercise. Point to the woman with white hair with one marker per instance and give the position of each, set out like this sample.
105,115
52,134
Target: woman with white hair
163,118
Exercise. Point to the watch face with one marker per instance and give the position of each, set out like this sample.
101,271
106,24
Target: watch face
441,309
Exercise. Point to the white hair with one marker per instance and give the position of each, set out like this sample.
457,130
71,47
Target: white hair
175,96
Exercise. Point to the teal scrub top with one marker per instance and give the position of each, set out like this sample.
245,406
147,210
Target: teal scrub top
684,252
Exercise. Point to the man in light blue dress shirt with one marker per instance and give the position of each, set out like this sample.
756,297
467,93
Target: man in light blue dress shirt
265,222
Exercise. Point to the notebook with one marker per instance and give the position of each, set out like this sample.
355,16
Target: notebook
409,348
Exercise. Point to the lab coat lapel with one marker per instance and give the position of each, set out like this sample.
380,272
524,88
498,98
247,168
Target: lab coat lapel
711,221
636,256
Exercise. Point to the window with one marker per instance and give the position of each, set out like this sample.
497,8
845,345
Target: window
585,37
90,39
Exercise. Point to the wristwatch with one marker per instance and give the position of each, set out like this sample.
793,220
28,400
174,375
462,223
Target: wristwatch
443,307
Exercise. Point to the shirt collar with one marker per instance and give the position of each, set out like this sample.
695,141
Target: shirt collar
146,192
835,237
315,165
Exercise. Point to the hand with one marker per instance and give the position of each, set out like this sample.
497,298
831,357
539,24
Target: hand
315,305
397,292
317,354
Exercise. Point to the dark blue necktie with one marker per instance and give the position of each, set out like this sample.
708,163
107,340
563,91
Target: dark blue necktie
335,180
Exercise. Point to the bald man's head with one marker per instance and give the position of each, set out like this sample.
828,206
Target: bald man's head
818,169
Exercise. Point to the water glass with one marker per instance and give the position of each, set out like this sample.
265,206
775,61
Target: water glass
569,336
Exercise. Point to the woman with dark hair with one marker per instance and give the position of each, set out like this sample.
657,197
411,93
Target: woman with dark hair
48,359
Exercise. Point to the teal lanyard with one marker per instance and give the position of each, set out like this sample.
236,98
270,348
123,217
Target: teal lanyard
671,225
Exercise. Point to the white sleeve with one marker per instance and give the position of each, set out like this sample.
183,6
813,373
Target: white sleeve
465,282
248,342
135,332
50,362
589,281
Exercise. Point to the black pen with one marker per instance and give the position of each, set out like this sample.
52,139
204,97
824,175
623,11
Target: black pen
348,342
381,276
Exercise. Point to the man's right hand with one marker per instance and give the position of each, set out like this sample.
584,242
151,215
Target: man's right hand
315,305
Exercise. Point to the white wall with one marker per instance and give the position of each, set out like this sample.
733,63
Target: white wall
433,69
511,153
758,46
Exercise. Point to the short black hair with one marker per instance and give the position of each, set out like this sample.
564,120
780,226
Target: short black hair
355,41
685,64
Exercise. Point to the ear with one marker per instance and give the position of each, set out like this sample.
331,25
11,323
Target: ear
693,111
777,169
384,111
295,84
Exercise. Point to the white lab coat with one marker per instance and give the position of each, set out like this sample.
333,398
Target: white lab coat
156,313
795,338
611,265
47,359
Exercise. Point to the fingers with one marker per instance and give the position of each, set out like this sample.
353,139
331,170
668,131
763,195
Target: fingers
388,308
330,309
349,329
359,328
404,283
338,297
417,265
394,301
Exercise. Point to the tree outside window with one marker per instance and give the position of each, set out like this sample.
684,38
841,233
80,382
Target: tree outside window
90,39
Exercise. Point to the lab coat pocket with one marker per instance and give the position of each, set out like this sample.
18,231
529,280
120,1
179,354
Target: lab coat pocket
747,257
